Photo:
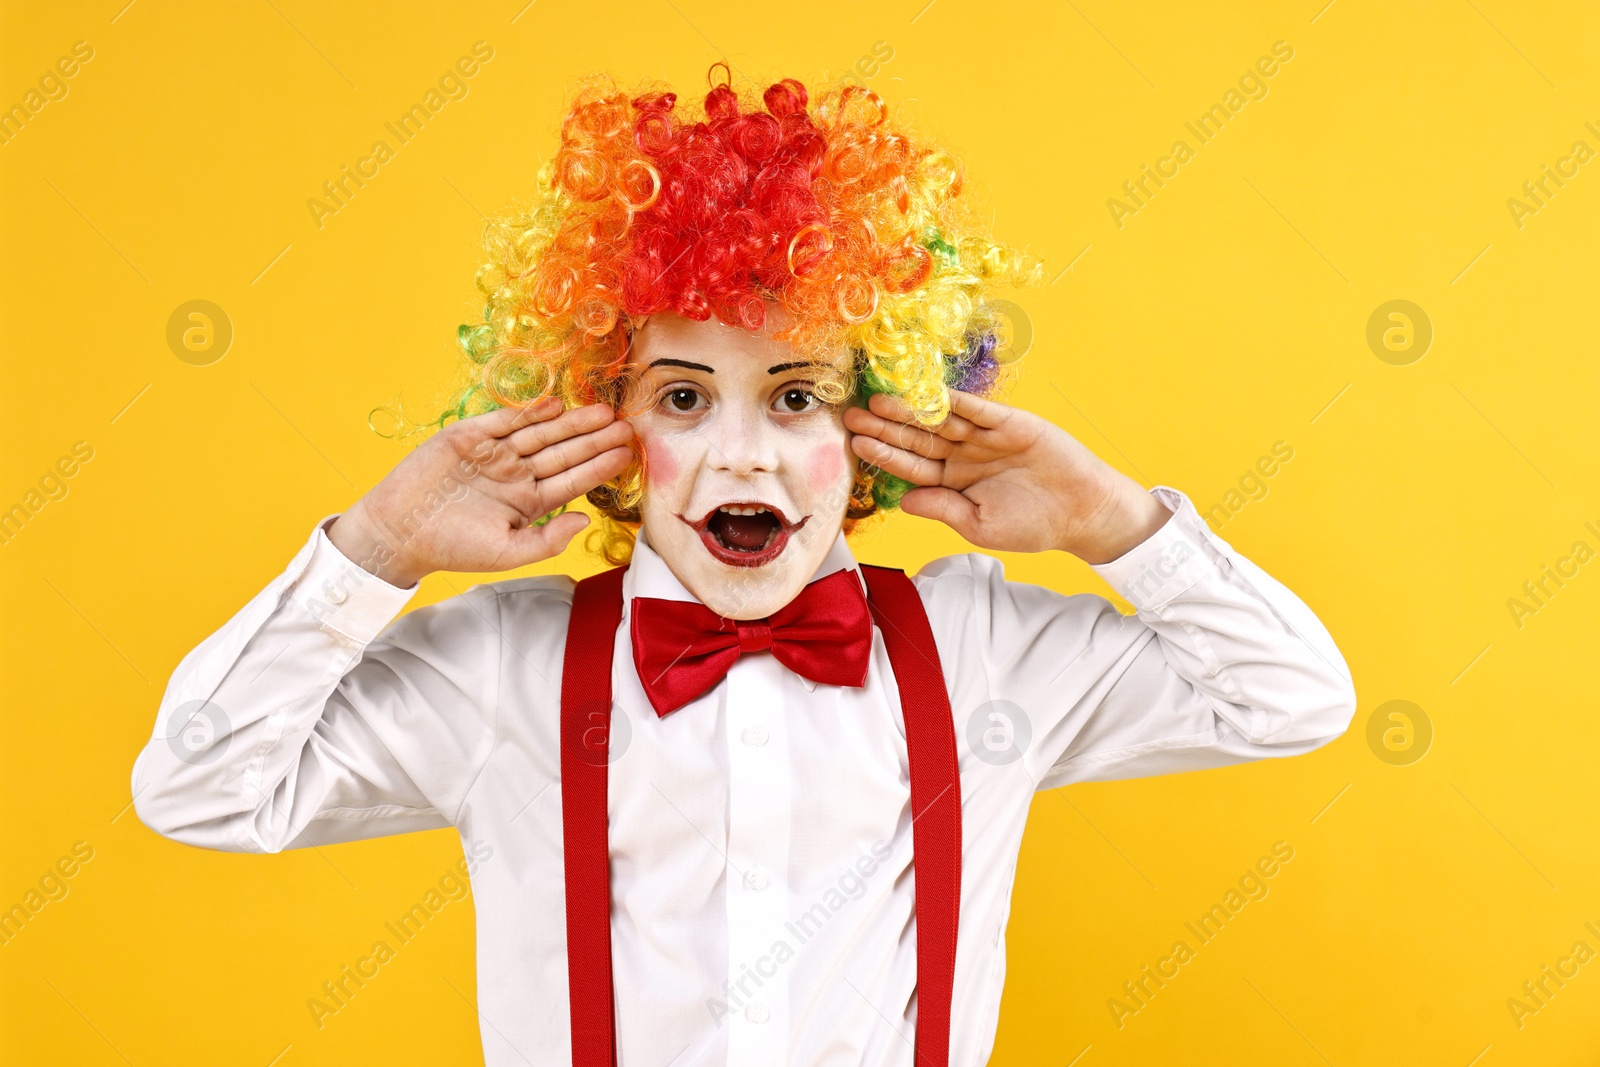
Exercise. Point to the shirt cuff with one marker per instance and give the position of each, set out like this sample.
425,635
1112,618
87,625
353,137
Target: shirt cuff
342,597
1166,563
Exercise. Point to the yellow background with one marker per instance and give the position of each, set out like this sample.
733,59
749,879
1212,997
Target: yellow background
1227,315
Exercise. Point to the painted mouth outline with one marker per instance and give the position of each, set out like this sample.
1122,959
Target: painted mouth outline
733,557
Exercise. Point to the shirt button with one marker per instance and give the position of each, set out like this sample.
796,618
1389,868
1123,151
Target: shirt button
756,878
335,594
757,1012
755,737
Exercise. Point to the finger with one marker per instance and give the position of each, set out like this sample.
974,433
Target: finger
953,428
983,413
527,440
501,421
897,461
553,459
576,481
942,505
912,438
531,544
956,428
891,407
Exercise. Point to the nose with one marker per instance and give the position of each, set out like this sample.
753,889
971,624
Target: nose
742,440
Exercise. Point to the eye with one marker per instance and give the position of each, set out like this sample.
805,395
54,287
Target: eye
797,401
682,399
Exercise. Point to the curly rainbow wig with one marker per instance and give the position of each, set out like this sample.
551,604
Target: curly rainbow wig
831,209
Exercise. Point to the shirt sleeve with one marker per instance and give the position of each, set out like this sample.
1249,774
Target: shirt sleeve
309,719
1220,663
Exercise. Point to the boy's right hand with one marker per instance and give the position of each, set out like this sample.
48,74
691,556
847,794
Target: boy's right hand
466,498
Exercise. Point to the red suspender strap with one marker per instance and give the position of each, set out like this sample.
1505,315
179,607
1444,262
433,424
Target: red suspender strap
935,799
585,744
935,804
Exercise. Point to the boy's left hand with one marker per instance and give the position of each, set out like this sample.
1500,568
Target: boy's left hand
1006,479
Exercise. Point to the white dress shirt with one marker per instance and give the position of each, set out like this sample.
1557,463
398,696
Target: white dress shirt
761,838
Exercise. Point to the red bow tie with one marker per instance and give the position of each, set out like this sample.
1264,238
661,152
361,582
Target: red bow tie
682,649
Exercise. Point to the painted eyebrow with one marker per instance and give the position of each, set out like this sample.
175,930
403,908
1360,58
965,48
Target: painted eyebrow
681,363
780,368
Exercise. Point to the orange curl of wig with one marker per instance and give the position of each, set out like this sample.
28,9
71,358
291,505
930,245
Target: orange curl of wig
834,211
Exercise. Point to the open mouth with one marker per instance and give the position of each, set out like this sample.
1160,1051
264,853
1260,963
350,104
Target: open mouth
745,534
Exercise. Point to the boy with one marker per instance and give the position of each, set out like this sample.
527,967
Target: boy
742,801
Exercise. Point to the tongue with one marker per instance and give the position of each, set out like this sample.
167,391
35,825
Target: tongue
747,533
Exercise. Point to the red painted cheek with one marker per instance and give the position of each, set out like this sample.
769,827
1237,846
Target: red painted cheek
825,466
660,465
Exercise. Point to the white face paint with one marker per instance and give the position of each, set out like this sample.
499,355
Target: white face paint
748,472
